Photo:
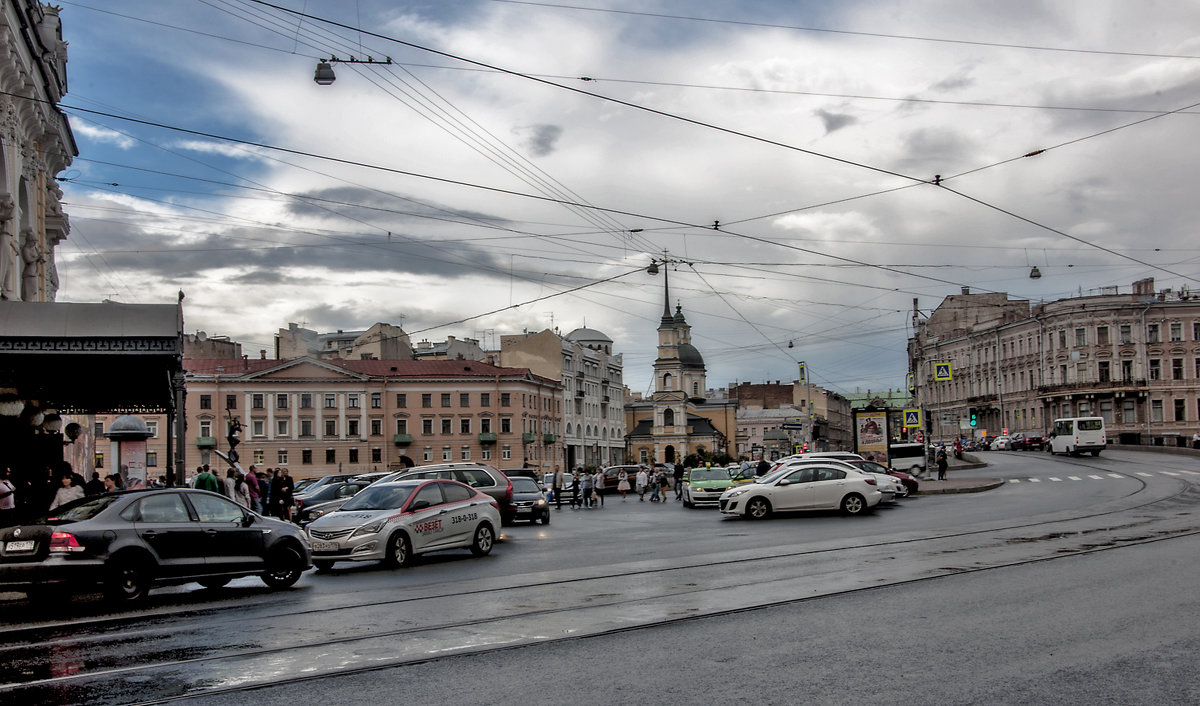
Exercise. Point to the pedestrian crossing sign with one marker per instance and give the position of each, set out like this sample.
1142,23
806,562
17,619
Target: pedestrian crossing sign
941,372
912,418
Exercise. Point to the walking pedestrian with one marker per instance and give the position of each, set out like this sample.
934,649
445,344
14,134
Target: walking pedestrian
655,476
941,463
205,480
287,487
241,490
678,480
557,485
762,468
575,504
643,479
67,492
623,484
664,482
95,486
598,485
585,484
8,499
251,481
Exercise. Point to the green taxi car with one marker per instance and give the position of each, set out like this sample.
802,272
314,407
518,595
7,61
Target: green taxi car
704,485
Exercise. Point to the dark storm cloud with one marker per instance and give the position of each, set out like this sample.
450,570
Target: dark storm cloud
540,140
380,208
835,121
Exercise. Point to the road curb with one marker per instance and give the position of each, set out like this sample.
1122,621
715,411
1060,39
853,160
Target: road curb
959,485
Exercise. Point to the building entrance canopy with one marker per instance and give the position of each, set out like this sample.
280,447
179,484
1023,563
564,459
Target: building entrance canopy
92,358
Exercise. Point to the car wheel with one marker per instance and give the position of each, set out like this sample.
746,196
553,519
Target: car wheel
284,567
214,583
854,504
127,579
399,552
546,518
481,545
323,565
758,508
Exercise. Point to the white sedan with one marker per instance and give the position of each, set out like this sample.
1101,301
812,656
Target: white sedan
811,486
393,522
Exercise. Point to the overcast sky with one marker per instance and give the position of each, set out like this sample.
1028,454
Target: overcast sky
783,155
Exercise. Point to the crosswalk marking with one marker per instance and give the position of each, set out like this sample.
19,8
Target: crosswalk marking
1168,473
1014,480
1191,473
1115,475
1097,477
1035,480
1145,475
1074,477
1056,480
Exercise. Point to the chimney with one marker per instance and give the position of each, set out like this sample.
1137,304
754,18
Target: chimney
262,353
966,290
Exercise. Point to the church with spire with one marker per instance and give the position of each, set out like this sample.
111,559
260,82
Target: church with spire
677,419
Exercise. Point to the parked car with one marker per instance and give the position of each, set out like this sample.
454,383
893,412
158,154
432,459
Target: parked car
809,486
308,506
612,474
889,486
126,542
309,484
1026,441
910,483
1002,443
373,476
528,502
704,486
395,521
479,476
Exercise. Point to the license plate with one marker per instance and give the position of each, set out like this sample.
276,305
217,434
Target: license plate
25,546
324,546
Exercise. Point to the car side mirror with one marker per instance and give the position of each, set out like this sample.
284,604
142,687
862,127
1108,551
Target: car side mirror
785,481
248,520
419,505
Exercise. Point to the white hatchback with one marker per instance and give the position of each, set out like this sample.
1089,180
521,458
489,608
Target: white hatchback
810,486
393,522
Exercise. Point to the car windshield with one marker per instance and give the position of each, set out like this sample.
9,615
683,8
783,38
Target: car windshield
770,477
524,485
388,497
303,484
83,509
699,474
870,467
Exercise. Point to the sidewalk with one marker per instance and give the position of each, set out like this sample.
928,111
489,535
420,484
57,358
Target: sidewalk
956,481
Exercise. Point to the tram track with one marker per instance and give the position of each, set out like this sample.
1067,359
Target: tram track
676,584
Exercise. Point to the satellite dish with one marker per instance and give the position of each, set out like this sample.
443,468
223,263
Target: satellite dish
201,336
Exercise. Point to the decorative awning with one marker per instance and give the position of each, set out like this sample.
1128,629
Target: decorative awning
92,358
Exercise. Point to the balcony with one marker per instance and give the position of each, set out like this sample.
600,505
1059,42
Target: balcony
528,438
487,438
206,442
1107,386
549,438
402,439
579,393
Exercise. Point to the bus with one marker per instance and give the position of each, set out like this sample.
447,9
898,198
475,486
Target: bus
1075,435
909,458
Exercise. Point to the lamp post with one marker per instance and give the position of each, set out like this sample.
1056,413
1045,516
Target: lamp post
324,75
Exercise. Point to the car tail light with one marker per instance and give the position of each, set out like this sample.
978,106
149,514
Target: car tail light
299,504
495,504
869,480
64,542
508,494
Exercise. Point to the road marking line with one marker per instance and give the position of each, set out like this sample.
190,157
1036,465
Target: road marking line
1056,480
1015,480
1097,477
1168,473
1191,473
1115,475
1035,480
1074,477
1145,475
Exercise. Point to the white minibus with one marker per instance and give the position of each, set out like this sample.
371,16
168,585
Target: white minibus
909,458
1074,435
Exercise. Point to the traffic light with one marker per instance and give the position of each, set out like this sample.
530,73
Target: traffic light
974,417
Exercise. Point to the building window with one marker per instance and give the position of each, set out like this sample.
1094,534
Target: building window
506,425
351,427
376,455
1126,370
306,457
401,400
401,426
1126,334
282,456
331,427
98,460
230,401
465,455
426,400
506,453
281,401
353,455
306,428
281,427
464,399
151,459
485,424
376,400
376,427
1155,369
1128,412
1102,335
330,455
152,428
446,426
445,399
1177,368
1152,333
505,399
427,426
98,427
485,398
447,454
206,428
258,427
1080,337
427,454
1181,410
486,453
305,400
464,425
1062,339
331,401
258,401
259,456
1156,410
1196,330
1176,332
1103,372
352,401
205,401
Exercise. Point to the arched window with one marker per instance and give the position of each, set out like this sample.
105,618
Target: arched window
668,418
666,381
695,389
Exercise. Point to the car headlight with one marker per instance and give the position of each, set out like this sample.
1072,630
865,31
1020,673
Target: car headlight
541,501
734,492
371,528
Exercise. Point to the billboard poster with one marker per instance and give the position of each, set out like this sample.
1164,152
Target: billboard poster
870,433
133,464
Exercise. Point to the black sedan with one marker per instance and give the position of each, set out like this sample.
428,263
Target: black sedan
126,542
528,502
325,498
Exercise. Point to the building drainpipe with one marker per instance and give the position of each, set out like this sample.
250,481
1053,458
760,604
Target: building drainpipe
999,377
1146,367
